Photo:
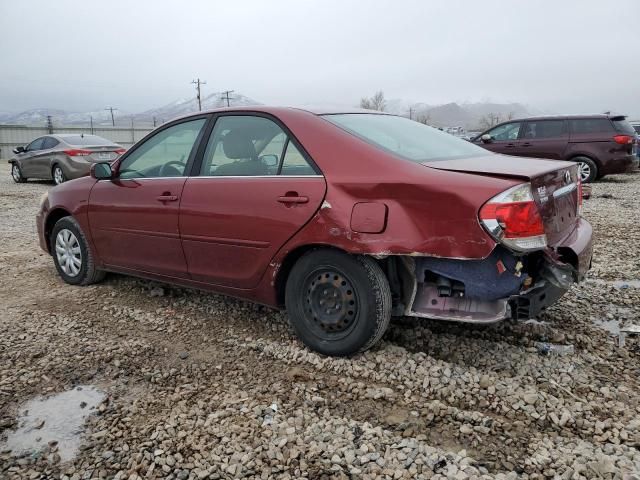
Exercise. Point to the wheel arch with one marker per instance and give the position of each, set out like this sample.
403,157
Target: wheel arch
590,156
52,218
290,260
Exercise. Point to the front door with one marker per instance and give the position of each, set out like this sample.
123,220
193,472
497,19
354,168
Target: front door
43,161
28,160
504,139
255,190
134,217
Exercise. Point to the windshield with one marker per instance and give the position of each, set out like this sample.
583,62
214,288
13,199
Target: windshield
408,139
92,140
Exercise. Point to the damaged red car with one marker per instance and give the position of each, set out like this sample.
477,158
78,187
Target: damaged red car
345,218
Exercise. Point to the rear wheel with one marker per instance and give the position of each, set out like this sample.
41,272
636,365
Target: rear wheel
16,173
587,169
338,304
72,256
58,175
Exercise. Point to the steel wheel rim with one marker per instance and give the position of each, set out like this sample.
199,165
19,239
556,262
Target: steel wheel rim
584,170
330,303
15,172
58,176
68,252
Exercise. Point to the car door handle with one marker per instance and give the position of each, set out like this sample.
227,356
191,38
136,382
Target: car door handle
527,144
293,199
167,198
510,145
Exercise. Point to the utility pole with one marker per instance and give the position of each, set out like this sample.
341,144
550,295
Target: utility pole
197,83
91,121
49,124
111,109
410,113
226,94
154,122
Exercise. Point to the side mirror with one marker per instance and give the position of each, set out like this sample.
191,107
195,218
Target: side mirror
19,149
486,138
102,171
269,160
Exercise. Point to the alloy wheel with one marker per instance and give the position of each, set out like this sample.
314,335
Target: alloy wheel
584,170
15,173
68,252
58,175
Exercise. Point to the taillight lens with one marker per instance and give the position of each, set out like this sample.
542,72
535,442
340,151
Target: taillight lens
120,151
513,219
623,139
76,152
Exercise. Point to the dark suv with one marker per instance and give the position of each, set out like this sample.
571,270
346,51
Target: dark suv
601,144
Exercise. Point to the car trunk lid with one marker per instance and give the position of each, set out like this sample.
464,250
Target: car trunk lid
554,186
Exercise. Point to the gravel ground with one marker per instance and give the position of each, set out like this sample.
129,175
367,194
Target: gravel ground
201,386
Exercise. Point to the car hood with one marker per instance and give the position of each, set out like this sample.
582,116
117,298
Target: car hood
501,165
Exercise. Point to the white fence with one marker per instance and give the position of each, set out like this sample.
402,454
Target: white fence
13,135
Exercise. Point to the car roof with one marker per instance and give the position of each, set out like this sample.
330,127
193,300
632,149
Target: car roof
572,116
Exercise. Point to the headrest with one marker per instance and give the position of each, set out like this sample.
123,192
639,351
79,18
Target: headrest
236,144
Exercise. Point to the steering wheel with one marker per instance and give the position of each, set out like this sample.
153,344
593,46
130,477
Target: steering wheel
175,164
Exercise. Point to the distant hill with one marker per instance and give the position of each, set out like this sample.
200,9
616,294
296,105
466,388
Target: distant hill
467,115
38,116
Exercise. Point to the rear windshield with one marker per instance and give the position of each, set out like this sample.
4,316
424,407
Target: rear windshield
87,140
637,128
408,139
623,126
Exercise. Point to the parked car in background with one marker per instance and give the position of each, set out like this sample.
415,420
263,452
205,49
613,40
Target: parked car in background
61,157
343,217
636,127
600,144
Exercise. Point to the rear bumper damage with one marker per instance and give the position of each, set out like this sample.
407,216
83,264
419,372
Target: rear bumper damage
502,286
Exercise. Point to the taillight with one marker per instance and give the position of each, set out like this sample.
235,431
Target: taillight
120,151
78,152
623,139
513,219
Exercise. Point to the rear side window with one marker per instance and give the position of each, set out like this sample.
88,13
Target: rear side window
622,126
591,125
49,142
544,129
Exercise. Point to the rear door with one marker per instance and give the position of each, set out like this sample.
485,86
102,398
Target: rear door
544,139
134,217
504,138
254,189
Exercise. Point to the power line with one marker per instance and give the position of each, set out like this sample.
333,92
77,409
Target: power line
226,94
111,109
197,83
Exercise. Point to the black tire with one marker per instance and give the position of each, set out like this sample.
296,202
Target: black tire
357,302
87,273
590,165
55,171
16,173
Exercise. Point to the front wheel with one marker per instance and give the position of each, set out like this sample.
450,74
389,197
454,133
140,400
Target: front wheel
58,175
16,173
72,256
338,304
587,169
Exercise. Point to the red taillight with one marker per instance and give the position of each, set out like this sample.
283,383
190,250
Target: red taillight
623,139
513,219
120,151
76,152
517,219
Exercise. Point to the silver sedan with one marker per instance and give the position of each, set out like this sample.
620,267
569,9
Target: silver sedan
61,157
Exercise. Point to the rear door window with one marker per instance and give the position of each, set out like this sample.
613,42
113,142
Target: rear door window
590,125
540,129
49,142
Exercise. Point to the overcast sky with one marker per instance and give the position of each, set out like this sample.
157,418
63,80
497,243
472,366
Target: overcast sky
558,56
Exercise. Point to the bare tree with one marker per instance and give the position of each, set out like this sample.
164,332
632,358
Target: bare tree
377,102
424,118
491,119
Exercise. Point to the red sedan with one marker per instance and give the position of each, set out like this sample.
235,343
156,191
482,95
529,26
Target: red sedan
345,217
